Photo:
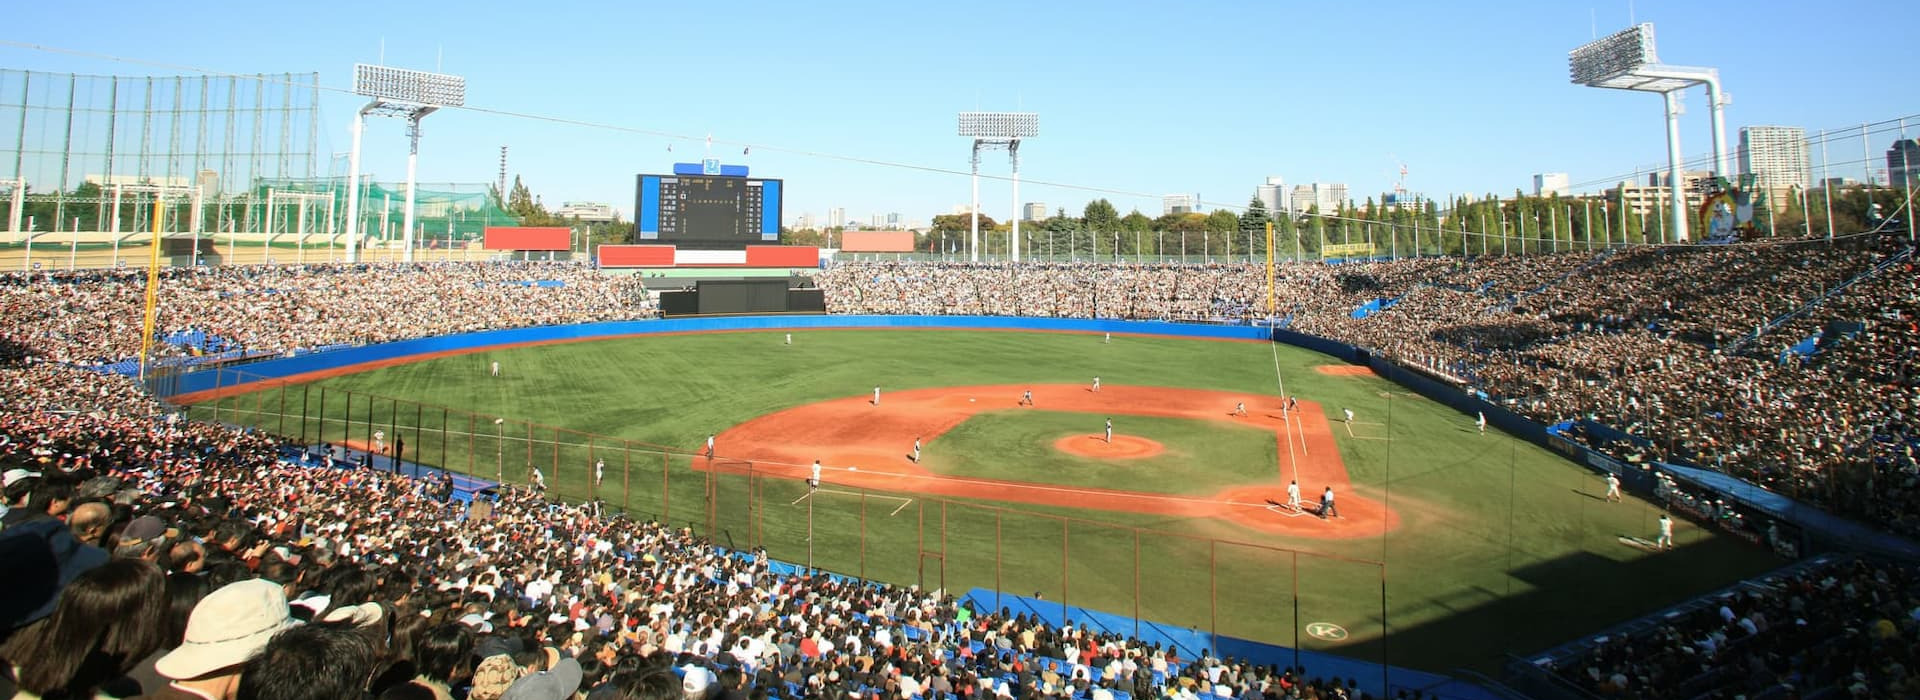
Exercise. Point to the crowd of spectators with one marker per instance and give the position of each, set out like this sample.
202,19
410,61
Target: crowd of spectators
1674,344
142,511
95,316
158,557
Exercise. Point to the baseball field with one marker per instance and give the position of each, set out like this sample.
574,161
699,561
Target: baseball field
1451,548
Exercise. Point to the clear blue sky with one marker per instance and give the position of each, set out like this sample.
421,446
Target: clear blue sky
1206,97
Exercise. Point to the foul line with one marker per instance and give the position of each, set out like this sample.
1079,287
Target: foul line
904,501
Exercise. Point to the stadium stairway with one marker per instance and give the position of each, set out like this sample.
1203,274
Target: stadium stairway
464,486
1741,343
1192,643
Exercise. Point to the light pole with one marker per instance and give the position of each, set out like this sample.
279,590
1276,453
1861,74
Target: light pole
396,92
1626,61
997,130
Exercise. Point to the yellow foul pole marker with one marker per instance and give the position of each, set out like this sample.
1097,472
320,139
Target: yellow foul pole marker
1269,269
153,286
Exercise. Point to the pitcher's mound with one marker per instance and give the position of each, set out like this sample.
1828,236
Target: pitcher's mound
1097,447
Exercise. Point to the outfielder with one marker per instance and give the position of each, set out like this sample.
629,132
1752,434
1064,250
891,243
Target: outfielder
599,471
1481,423
1613,487
789,338
496,368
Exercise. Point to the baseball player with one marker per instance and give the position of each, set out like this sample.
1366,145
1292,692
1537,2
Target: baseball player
1293,495
380,441
1481,422
709,445
813,482
1108,338
1292,401
599,471
789,338
1026,398
1349,413
916,450
1109,431
496,368
1613,487
876,396
1666,533
1240,408
539,479
1096,385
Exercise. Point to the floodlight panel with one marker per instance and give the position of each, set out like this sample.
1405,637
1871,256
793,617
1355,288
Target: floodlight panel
402,85
1612,56
1000,125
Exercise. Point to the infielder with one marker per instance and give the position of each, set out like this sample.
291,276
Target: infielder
1109,431
916,450
1293,495
1292,402
1240,408
1026,398
1666,533
1096,385
813,482
496,368
876,396
1613,487
1481,423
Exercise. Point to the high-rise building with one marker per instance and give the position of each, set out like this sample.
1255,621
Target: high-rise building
1903,163
1776,157
1178,204
1327,196
837,217
1550,184
1034,211
1274,195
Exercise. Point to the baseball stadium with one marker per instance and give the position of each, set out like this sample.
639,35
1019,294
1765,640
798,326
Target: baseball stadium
275,433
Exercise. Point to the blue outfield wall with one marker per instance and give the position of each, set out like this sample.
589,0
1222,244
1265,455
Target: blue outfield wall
279,368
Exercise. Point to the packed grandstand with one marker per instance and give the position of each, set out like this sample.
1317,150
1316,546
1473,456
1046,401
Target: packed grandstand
135,539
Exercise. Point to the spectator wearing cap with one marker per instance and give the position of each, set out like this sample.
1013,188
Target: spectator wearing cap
227,629
106,621
142,539
318,661
19,486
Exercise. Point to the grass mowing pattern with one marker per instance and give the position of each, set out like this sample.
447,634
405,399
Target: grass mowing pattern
1503,546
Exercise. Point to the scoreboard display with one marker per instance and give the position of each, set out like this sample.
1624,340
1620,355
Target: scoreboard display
707,211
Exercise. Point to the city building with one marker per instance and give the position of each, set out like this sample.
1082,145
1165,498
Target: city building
1034,211
1776,157
837,217
1179,204
1274,195
1550,184
1328,197
585,211
1653,196
1903,163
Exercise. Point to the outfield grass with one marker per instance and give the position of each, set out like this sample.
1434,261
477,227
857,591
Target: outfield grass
1201,457
1502,546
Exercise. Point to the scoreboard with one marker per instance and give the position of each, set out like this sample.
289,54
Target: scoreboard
707,211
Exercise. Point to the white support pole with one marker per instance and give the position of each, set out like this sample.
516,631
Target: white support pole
1826,181
268,224
116,211
1013,153
300,231
973,233
353,187
413,166
1716,105
1907,178
73,245
1678,210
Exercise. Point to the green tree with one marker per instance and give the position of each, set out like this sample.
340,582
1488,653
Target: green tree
1101,216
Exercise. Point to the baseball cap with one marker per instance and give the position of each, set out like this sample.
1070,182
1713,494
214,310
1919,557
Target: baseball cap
556,684
494,676
15,475
228,627
142,529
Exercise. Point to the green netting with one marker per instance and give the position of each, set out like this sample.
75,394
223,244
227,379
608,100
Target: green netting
455,211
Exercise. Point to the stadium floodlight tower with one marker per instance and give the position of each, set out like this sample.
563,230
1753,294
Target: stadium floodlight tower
396,92
1626,61
997,130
